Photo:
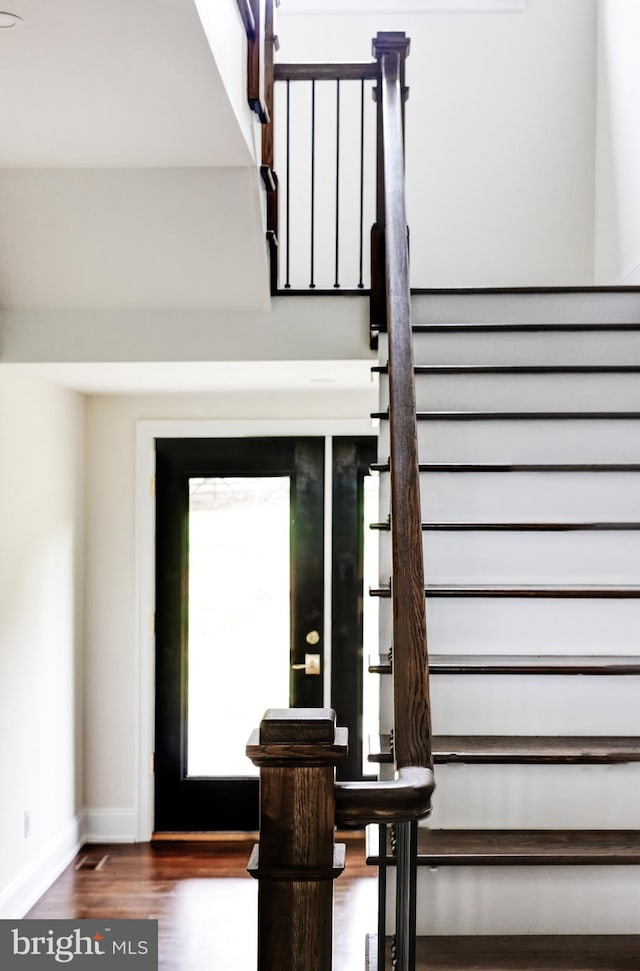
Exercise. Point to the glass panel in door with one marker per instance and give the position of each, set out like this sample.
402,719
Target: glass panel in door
239,615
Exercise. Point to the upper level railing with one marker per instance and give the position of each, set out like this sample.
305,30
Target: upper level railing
291,741
324,125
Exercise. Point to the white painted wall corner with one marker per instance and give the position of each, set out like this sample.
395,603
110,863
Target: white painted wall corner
27,887
110,825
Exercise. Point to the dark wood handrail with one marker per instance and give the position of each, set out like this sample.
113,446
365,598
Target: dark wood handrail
412,718
246,13
326,72
283,757
254,15
409,796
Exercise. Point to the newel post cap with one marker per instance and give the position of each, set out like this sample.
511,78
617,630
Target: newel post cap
298,725
298,736
390,41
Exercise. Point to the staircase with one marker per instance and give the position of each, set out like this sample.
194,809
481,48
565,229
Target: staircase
528,413
529,439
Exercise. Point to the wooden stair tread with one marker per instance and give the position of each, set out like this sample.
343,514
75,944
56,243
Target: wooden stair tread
558,952
488,467
544,591
498,369
520,664
521,749
563,328
518,415
518,527
456,847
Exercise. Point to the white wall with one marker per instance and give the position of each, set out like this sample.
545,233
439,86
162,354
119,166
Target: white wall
228,42
132,238
41,514
290,329
500,136
617,240
113,692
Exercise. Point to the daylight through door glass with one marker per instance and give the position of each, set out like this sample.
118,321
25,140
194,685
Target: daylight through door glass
239,616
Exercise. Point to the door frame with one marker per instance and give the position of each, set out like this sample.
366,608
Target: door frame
208,800
146,433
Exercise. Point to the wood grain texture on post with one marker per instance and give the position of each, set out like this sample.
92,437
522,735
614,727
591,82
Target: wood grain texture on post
296,861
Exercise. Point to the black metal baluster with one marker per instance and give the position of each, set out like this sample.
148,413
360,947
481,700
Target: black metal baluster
313,180
361,279
406,876
382,897
288,209
337,276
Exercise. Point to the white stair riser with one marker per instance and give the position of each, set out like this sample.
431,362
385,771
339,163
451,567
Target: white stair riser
532,899
525,496
528,704
511,392
564,558
588,307
484,626
537,348
536,704
534,796
538,440
528,900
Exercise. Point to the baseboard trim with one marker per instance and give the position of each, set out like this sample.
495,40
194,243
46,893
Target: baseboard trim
110,826
28,886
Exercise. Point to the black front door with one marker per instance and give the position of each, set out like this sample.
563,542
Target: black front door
239,614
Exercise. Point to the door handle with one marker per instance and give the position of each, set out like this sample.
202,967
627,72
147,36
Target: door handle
311,664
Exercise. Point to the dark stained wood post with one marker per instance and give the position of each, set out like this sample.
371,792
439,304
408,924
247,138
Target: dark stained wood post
396,44
296,862
255,63
267,167
412,717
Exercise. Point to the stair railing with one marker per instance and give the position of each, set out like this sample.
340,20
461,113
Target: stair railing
325,139
255,15
297,749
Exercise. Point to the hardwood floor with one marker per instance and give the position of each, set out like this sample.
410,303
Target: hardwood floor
203,899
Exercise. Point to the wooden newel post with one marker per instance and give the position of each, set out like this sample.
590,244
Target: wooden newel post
394,46
296,862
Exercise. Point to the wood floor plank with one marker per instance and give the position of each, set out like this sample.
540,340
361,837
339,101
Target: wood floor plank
203,899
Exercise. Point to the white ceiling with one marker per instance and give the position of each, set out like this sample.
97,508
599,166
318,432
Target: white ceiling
208,376
97,83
